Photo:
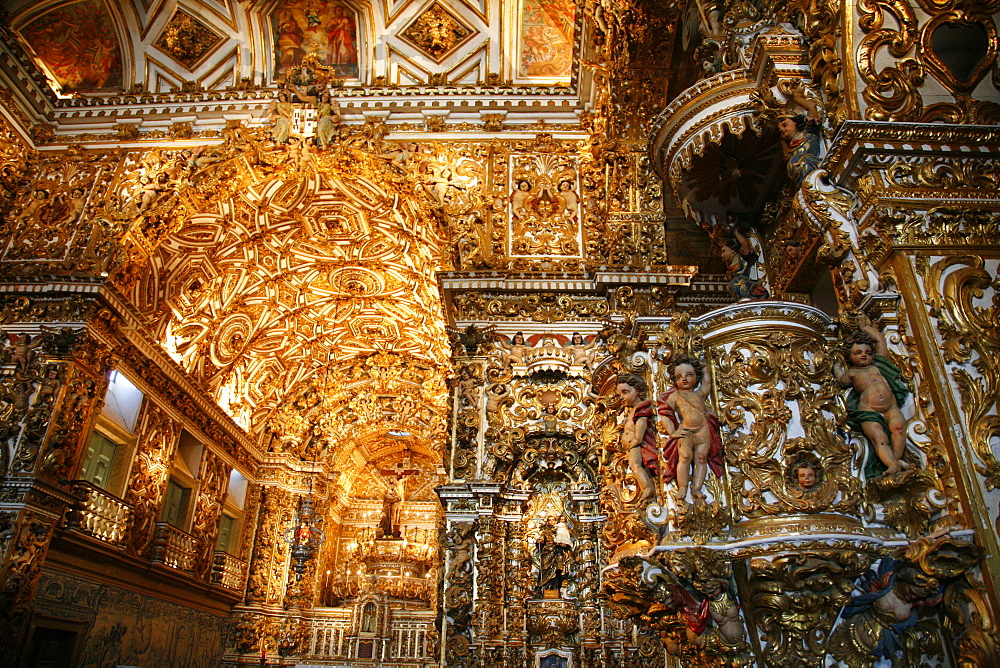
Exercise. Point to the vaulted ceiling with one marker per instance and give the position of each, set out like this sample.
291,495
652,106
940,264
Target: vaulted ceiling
107,45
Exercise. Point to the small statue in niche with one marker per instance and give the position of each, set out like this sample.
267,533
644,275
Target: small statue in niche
800,139
638,438
550,420
554,556
740,259
878,390
693,444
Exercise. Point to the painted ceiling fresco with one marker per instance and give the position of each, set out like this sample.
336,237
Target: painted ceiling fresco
327,29
546,33
218,44
78,45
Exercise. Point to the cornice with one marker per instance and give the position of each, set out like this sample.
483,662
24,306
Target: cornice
862,146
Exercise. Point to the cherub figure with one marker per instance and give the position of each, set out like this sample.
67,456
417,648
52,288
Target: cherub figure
48,387
805,475
468,387
693,444
23,352
153,189
38,198
514,350
519,198
878,390
638,437
583,353
401,153
495,397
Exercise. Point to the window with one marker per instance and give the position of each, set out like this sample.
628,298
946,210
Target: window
182,487
227,541
176,504
100,458
109,450
231,522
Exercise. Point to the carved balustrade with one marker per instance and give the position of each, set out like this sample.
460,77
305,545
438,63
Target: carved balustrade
228,571
173,547
99,514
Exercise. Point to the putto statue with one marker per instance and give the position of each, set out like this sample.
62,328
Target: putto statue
693,444
878,390
638,438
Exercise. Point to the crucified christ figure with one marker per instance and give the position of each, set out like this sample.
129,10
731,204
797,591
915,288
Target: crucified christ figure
392,505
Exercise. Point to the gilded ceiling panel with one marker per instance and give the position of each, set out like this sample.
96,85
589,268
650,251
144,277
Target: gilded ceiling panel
187,40
279,293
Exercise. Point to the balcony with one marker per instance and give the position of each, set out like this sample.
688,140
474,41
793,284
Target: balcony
99,514
173,547
228,571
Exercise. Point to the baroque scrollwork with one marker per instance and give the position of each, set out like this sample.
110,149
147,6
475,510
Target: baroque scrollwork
785,371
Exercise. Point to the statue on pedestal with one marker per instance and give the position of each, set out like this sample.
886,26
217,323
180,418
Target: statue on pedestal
693,445
555,552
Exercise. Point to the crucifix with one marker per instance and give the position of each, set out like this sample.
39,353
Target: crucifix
392,505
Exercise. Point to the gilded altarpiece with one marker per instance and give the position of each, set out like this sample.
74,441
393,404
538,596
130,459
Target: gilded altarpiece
523,511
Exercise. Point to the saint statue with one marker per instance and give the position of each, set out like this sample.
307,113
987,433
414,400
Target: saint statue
555,548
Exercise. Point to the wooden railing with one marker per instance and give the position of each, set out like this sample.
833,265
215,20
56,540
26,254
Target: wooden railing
173,547
99,514
228,571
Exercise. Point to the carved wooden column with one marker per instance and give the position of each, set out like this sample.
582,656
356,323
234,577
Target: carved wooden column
214,477
55,385
157,437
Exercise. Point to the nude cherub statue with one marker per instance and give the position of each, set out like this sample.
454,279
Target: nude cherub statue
495,397
583,352
514,351
638,437
23,351
468,387
878,390
693,444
